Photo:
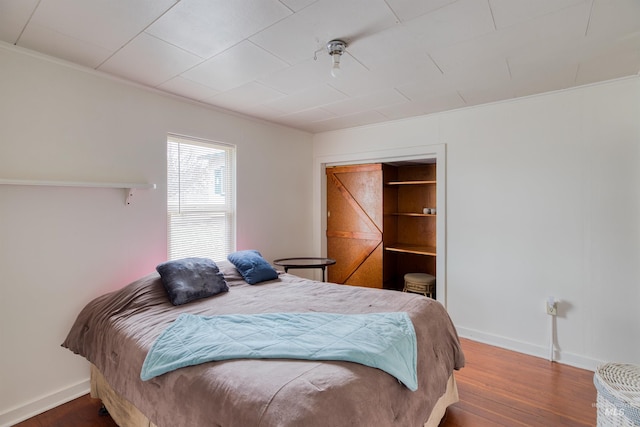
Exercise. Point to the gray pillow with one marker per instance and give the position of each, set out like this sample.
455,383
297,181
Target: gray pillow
189,279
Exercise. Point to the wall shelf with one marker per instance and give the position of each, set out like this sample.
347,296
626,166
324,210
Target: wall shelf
136,185
130,187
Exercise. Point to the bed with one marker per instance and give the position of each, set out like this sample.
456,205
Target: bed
116,331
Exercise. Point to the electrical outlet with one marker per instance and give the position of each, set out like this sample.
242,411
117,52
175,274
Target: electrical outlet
552,307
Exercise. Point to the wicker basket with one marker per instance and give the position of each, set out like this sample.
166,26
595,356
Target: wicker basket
420,283
618,401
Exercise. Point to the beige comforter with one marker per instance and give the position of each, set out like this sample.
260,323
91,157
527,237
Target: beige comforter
115,332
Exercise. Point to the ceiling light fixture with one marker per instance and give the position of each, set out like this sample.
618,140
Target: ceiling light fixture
336,48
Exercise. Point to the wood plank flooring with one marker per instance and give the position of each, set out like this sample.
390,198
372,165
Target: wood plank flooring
497,388
80,412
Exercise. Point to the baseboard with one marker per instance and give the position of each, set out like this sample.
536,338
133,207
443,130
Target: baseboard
565,358
579,361
44,403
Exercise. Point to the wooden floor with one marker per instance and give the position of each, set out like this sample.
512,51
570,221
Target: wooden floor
497,388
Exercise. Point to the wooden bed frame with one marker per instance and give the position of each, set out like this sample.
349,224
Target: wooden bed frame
125,414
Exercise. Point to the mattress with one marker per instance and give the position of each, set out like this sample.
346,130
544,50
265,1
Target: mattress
127,415
116,331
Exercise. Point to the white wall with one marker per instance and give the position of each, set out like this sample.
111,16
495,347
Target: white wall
61,247
543,199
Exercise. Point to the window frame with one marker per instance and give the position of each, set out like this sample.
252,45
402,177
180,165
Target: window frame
228,208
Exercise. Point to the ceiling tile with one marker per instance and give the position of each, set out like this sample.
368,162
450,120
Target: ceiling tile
455,23
187,88
558,31
300,76
252,93
479,94
371,101
614,18
511,12
311,115
149,60
386,59
352,73
278,40
208,27
434,97
235,67
297,5
298,37
105,23
611,64
262,112
489,73
309,98
409,9
352,79
489,82
348,21
402,110
354,83
45,40
420,68
598,60
529,77
358,119
393,57
395,43
14,15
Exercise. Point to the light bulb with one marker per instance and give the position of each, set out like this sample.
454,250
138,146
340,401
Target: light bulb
335,49
335,69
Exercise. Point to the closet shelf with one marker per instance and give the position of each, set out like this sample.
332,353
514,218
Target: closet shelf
412,182
412,249
410,214
128,186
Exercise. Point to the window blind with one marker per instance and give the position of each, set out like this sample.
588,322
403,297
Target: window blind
200,198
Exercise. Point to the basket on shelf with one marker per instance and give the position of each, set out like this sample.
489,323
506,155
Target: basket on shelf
420,283
618,400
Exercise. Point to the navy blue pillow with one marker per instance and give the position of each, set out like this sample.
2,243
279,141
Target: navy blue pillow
252,267
189,279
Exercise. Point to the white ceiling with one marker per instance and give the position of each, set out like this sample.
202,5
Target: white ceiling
267,58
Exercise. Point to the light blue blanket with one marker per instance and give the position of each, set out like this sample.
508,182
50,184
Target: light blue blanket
386,341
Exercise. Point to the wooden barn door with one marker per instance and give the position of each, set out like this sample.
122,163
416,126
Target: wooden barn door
354,224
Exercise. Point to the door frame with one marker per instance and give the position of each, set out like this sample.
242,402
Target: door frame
425,152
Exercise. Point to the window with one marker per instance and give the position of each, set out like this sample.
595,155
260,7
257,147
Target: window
200,198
